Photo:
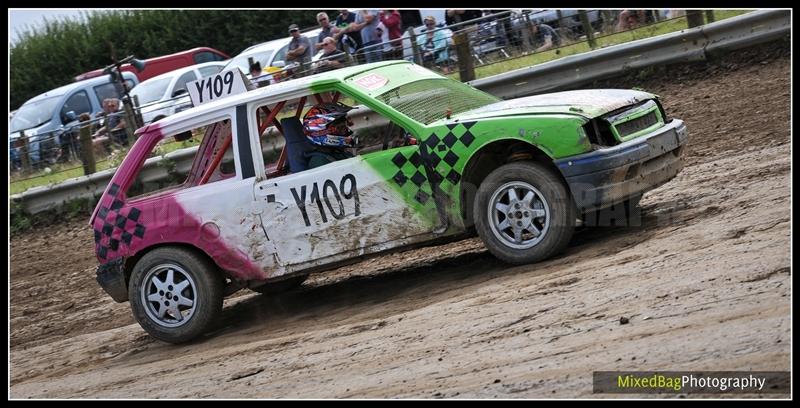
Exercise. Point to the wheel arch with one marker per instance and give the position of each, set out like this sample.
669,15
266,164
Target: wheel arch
131,261
491,156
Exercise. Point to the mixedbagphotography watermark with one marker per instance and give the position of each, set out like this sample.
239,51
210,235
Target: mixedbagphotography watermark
686,382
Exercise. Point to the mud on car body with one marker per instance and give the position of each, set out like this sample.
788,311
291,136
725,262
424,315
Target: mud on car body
519,173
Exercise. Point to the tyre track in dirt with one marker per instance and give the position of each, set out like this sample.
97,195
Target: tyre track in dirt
704,283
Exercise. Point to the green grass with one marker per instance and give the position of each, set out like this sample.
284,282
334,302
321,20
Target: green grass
57,176
59,173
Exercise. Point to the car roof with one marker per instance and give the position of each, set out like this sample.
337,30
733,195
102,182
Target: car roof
269,45
282,90
181,71
80,84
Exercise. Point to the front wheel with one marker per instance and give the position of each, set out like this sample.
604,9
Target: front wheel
524,213
175,294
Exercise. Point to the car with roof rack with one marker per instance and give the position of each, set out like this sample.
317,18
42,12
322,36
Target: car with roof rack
519,173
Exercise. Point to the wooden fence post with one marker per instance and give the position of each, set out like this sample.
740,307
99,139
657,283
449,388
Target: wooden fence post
130,121
23,153
466,67
694,18
587,29
87,147
413,37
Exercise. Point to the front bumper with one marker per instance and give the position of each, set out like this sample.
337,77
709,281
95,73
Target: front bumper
609,176
111,277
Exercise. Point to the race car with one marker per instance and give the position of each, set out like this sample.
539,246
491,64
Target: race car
518,173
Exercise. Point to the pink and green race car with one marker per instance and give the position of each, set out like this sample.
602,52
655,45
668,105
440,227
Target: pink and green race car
454,161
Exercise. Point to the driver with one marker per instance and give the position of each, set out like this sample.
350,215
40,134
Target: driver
326,127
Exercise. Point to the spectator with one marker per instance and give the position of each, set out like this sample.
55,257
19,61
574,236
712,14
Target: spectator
671,13
256,75
387,52
459,16
348,40
394,26
299,47
327,29
433,45
332,57
544,37
370,41
255,70
630,19
113,124
504,29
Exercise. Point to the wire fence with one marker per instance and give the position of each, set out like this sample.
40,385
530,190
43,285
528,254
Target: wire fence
449,49
61,151
491,39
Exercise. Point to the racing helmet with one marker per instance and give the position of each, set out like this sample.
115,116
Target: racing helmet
326,124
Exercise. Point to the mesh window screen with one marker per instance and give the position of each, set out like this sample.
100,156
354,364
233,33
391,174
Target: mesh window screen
429,100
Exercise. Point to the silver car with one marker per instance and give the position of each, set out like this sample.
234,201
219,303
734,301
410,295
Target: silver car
166,94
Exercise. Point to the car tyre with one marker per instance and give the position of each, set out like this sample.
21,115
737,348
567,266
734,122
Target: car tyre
534,222
175,294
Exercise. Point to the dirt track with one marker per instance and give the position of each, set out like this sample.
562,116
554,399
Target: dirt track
705,284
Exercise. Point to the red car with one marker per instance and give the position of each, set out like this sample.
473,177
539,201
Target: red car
166,63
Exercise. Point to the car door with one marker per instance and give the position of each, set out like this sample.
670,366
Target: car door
340,210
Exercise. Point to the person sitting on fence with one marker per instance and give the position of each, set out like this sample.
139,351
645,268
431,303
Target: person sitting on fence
70,140
347,38
433,45
331,58
114,123
326,29
545,37
630,19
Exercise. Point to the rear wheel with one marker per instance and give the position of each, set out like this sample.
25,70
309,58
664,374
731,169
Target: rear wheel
523,213
175,294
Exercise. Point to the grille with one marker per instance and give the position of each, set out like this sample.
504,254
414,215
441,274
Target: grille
632,126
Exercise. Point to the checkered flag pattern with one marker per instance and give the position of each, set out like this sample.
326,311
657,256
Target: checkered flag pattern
115,226
442,148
